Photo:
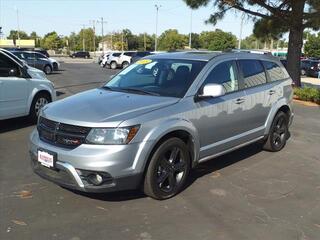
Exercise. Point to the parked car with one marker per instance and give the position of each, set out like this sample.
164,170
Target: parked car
55,63
310,67
112,60
42,51
80,54
107,56
138,55
149,127
23,90
35,60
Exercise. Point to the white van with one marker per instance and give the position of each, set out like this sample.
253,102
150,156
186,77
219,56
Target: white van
23,90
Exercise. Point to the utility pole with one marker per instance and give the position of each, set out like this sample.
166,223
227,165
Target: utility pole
18,25
83,41
122,41
111,47
94,37
102,22
190,35
156,38
241,26
144,42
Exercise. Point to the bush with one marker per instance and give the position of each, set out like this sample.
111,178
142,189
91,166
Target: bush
308,94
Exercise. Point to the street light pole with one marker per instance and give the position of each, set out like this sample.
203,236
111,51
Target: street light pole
240,36
156,38
18,25
83,41
190,35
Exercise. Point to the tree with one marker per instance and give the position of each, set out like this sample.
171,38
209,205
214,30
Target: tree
36,38
86,36
291,16
51,41
195,41
171,40
312,46
217,40
14,35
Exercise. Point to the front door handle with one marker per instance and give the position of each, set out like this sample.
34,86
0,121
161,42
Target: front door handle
271,92
240,100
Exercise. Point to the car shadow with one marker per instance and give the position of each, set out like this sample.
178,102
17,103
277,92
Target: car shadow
199,171
14,124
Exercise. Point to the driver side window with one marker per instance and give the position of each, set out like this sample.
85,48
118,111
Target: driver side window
224,74
7,67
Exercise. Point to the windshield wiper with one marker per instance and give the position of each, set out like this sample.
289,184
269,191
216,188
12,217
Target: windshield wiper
107,88
135,90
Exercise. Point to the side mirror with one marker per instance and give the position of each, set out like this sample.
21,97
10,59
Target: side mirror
212,90
13,73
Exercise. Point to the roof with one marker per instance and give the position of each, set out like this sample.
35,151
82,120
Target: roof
195,55
208,55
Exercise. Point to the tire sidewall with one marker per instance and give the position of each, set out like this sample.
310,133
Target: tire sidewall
32,113
275,120
150,178
113,65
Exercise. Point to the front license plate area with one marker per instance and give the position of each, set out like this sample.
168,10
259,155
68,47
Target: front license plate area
47,158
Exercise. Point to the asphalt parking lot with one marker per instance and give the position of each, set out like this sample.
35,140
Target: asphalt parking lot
247,194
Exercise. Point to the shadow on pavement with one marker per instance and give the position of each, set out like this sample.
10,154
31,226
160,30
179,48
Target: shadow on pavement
14,124
201,170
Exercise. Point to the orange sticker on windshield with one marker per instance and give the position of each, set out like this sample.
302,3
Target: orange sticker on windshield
144,61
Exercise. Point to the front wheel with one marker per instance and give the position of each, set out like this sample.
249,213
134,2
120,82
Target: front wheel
278,133
113,65
39,101
168,170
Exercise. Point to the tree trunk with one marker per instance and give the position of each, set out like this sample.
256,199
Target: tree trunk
296,41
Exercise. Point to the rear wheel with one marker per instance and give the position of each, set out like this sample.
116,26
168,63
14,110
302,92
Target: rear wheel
47,69
168,169
278,133
39,101
125,64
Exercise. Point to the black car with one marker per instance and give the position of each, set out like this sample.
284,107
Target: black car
137,55
80,54
310,67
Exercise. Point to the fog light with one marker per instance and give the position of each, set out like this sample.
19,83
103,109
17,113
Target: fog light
95,179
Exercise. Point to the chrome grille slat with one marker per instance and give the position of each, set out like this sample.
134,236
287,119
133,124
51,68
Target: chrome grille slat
60,134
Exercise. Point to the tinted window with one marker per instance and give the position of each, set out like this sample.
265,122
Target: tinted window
6,65
224,74
163,77
142,54
130,54
253,73
116,54
274,70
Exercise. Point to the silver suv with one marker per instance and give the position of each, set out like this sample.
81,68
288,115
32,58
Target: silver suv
159,118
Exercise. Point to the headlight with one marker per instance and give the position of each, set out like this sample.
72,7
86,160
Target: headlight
111,135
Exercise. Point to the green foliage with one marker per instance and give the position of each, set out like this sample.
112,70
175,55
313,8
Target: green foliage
51,41
171,40
312,46
308,94
14,35
217,40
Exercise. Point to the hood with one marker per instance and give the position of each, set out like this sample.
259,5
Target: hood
103,108
36,73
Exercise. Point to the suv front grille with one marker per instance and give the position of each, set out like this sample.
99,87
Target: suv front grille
60,134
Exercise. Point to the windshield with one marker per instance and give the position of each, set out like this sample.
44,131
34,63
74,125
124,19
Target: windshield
162,77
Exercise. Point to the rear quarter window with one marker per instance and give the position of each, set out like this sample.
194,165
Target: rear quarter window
253,73
274,70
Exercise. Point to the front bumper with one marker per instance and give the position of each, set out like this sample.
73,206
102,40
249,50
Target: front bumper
123,164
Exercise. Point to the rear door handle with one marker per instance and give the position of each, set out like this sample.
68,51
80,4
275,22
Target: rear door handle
271,92
240,100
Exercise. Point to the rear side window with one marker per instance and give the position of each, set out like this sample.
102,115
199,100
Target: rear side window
224,74
274,70
116,54
253,73
130,54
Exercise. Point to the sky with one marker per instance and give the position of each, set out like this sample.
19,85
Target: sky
66,16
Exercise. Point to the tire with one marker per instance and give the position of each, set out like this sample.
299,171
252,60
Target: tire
55,66
39,101
113,65
168,170
303,72
125,64
278,133
47,69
